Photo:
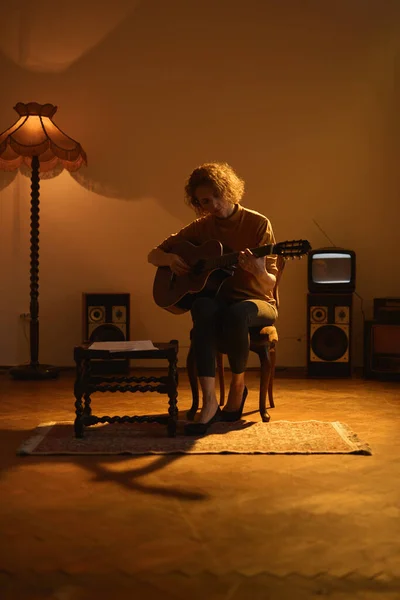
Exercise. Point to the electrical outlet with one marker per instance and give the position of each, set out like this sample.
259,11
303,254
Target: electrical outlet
25,316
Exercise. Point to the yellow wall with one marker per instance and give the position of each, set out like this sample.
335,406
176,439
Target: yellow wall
300,97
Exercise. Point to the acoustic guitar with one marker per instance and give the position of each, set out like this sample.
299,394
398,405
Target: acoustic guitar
209,269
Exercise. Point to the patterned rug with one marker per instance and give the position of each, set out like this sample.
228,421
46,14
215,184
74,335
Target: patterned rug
242,437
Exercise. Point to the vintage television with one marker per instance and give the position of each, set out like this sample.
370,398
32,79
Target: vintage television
331,270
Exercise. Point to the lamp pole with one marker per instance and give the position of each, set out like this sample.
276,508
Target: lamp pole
34,287
34,370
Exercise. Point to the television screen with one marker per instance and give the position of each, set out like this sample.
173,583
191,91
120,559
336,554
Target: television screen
331,270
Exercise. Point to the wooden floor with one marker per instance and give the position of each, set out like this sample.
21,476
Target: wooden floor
220,527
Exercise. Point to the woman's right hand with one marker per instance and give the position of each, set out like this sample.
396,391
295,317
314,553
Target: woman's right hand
178,266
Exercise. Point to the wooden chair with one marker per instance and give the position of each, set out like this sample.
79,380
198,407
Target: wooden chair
263,342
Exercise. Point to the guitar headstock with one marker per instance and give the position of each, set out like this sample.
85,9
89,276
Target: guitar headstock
292,249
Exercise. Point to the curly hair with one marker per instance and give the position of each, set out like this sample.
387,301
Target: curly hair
221,177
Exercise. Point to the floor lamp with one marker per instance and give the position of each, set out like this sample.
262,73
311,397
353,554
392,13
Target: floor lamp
34,140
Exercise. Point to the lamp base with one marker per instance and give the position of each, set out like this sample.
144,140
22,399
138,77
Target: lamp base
30,372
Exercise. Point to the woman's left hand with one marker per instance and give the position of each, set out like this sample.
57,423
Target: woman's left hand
252,264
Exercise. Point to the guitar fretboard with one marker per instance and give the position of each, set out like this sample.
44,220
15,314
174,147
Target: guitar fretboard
230,259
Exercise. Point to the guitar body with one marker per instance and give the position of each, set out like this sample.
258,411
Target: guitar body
176,294
209,269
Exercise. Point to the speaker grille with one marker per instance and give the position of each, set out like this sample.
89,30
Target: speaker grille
329,343
319,314
96,314
107,333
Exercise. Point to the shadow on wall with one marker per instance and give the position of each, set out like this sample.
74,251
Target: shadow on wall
49,41
6,178
151,89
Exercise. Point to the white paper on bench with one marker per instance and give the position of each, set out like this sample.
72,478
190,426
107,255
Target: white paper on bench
123,346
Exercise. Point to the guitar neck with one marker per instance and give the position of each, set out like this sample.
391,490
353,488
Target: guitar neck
230,259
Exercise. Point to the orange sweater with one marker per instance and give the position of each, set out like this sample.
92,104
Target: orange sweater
245,228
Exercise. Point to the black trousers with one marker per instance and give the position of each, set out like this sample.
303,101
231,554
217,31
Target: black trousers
219,325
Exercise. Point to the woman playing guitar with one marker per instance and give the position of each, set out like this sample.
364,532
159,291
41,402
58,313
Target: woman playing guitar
244,299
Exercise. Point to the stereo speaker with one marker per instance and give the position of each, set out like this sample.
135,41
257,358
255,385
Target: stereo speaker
106,318
381,350
329,324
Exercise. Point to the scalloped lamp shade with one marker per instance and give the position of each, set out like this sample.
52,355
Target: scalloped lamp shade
35,134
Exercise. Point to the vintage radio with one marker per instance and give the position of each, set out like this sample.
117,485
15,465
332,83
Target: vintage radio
381,350
387,310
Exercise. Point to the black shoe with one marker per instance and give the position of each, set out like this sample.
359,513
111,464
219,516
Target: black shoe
234,415
201,428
